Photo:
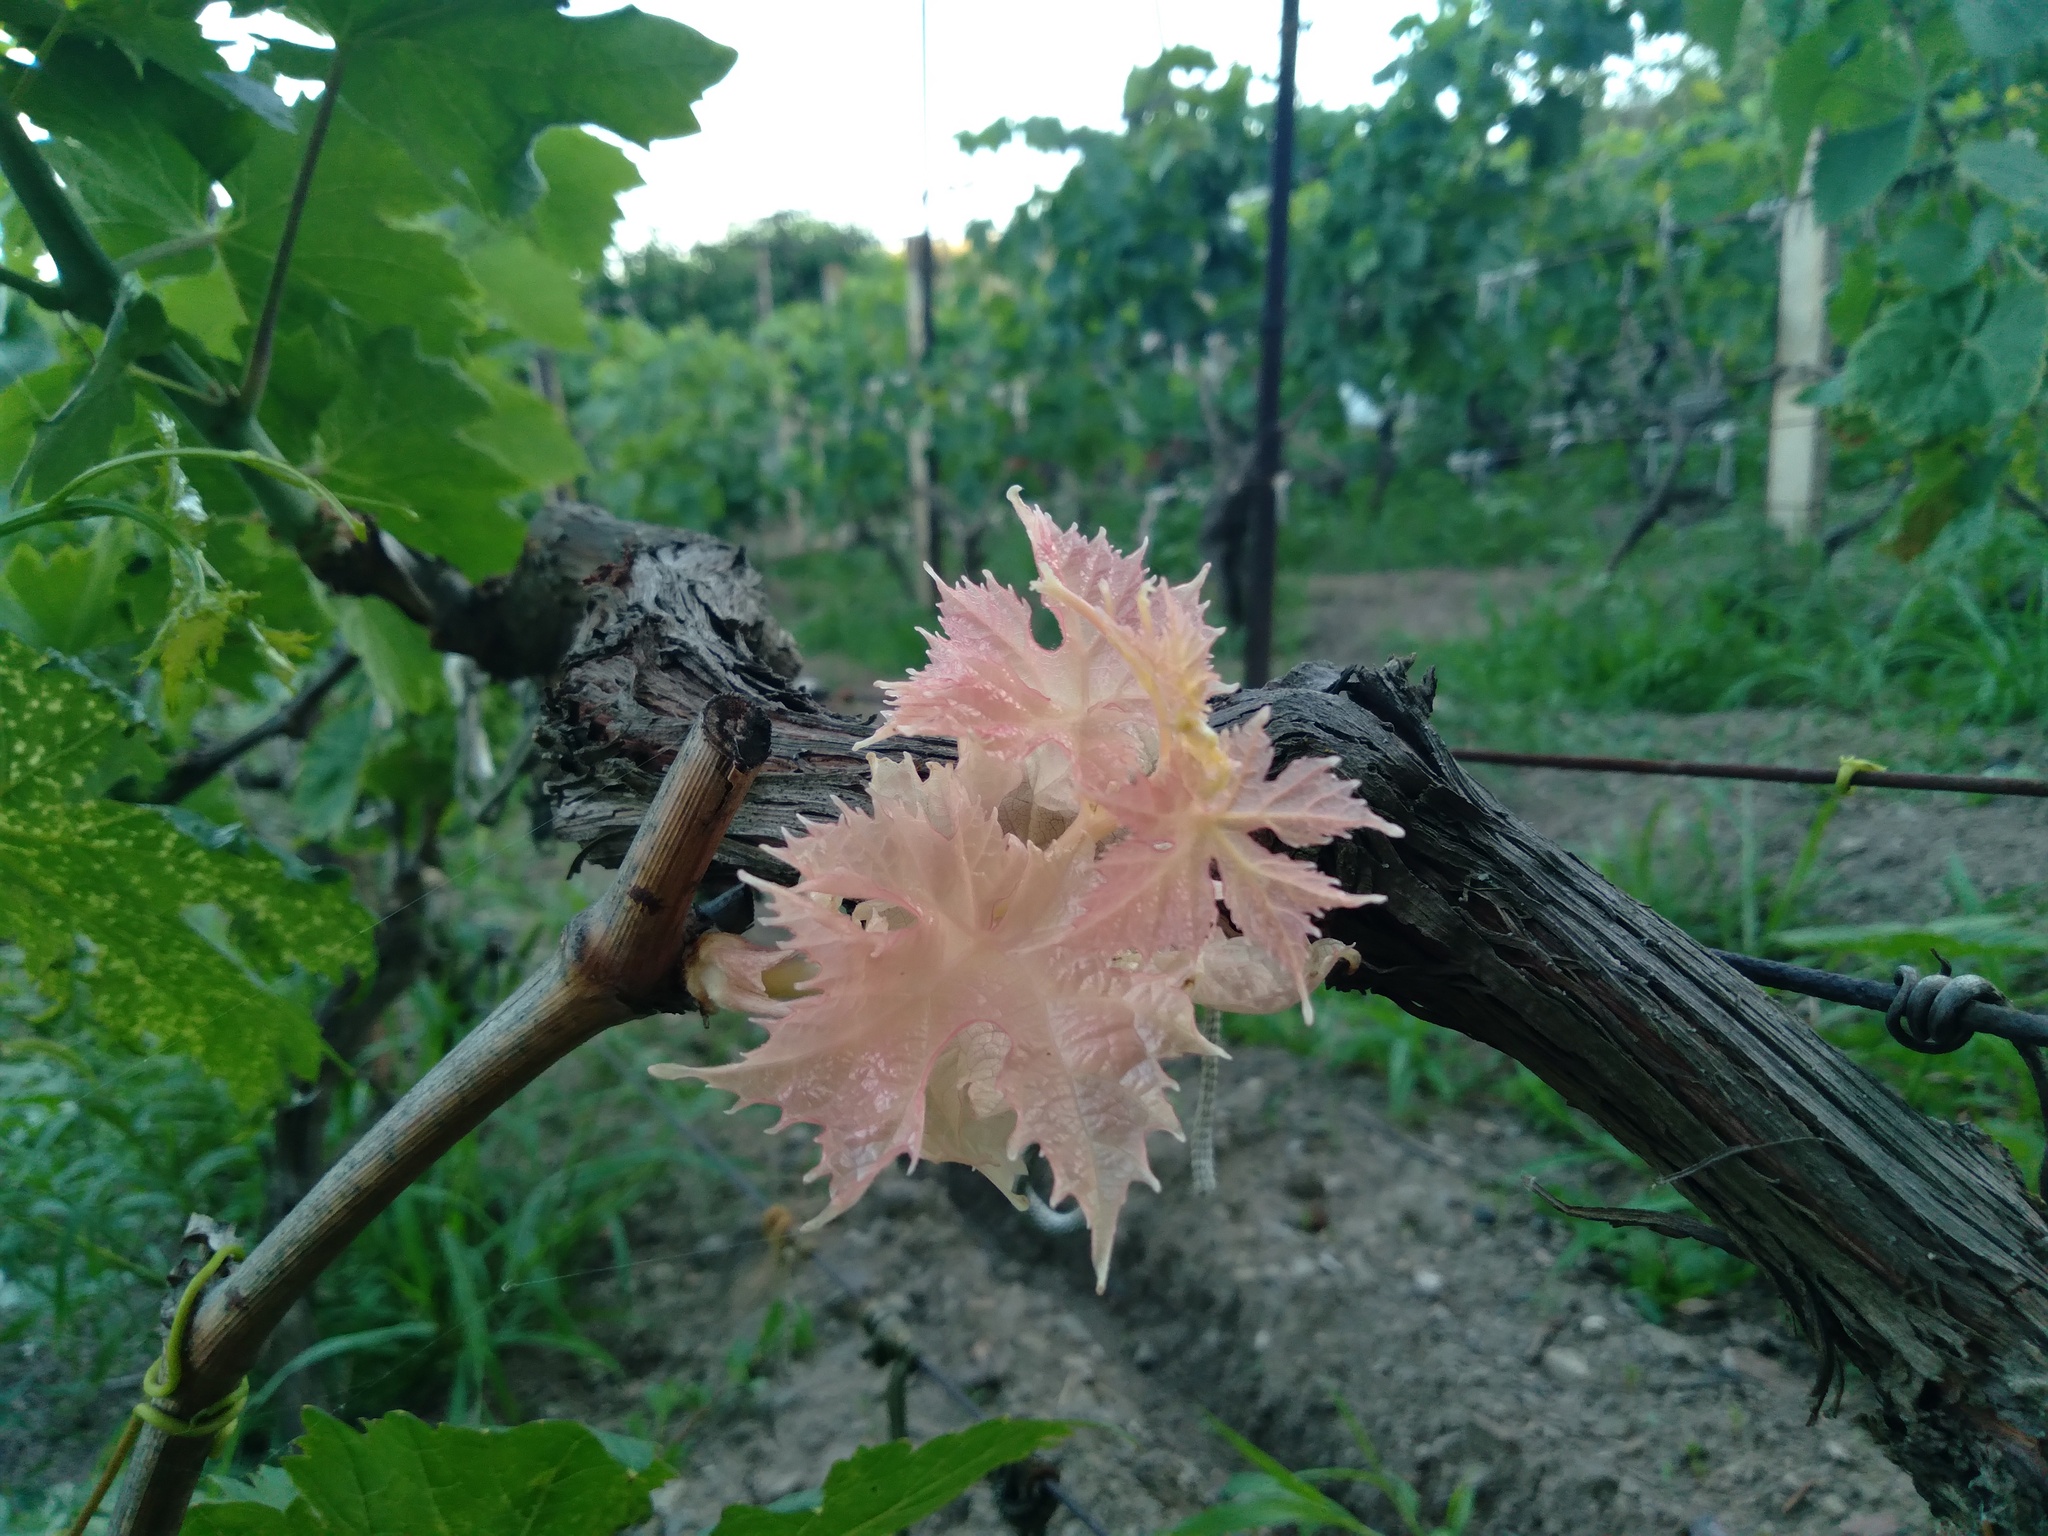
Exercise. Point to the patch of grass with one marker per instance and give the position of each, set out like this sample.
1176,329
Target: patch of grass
481,1256
1422,1065
1545,514
105,1154
1731,619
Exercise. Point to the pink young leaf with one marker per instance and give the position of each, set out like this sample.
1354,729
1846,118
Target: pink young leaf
957,1001
1158,892
1158,630
989,678
1237,976
1093,568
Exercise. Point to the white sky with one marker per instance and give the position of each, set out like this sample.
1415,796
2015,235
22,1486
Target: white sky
822,113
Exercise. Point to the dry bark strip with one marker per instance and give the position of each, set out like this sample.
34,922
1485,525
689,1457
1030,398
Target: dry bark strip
1905,1247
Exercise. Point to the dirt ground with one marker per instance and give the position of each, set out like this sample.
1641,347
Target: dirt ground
1355,616
1341,1259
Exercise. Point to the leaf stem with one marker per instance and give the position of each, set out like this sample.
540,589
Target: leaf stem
48,295
292,718
81,507
257,374
87,280
248,458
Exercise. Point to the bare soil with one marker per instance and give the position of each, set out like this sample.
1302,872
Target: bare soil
1343,1258
1370,615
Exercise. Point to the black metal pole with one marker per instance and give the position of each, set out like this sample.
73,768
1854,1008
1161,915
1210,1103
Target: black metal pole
1259,551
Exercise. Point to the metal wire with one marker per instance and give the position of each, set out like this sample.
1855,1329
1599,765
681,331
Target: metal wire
1858,778
1932,1015
1981,1015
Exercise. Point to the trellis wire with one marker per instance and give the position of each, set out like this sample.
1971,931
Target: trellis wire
1857,777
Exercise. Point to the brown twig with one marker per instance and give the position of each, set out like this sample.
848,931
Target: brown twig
346,1017
293,718
619,960
257,374
1663,1223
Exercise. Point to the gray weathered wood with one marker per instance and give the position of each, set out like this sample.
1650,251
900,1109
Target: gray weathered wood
1906,1247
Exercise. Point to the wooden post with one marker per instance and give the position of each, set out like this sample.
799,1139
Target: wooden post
1263,493
764,282
1797,475
917,445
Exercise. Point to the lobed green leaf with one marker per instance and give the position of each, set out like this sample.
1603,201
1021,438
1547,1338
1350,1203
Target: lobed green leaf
181,930
882,1489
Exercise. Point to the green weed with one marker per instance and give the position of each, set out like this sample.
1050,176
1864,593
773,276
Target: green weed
1274,1496
1733,620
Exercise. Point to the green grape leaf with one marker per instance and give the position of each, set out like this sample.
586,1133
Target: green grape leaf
550,1478
1713,24
361,247
465,88
1857,167
79,597
2007,168
882,1489
525,432
530,293
180,930
1938,256
160,32
30,401
82,431
331,769
1855,295
573,220
242,1517
1998,29
138,150
1842,82
1871,79
25,347
414,764
206,307
1934,365
393,443
1799,77
242,550
1948,481
403,666
145,193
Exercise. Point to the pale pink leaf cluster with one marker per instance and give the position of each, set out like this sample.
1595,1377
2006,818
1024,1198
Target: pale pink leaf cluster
1001,952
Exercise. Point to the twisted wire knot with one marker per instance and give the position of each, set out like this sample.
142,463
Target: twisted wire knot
1926,1014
